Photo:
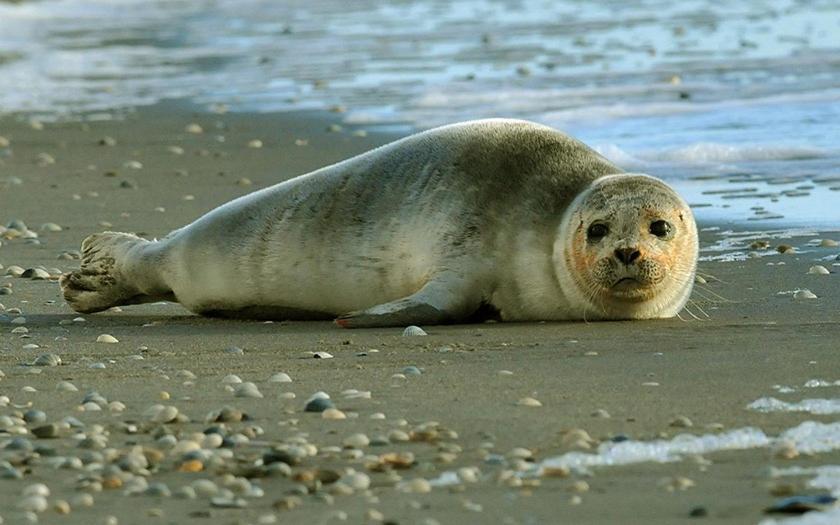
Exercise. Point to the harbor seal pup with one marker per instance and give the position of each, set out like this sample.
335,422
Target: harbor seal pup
497,216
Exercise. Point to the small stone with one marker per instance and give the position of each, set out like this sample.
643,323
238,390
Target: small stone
287,503
785,249
413,331
107,338
161,413
681,422
804,294
356,441
699,280
829,243
529,402
280,377
698,512
247,389
333,413
818,270
322,355
133,165
231,379
412,371
47,360
34,416
61,507
415,486
601,413
318,405
256,144
34,503
51,227
175,150
194,129
234,350
66,386
224,502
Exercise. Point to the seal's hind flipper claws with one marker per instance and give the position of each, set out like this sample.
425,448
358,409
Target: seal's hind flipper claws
100,283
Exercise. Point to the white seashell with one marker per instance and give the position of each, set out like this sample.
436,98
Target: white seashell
804,294
413,330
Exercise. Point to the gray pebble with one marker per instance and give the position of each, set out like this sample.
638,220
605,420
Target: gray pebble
34,416
47,360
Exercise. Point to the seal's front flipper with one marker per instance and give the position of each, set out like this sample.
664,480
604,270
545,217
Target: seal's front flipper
398,313
443,300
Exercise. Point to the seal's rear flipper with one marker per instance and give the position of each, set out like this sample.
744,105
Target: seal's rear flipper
104,279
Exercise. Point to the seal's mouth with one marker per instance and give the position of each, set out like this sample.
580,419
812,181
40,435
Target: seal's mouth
630,288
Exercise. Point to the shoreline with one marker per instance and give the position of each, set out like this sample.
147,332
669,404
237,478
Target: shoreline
643,376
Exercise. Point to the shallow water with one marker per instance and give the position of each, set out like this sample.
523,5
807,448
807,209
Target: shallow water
712,96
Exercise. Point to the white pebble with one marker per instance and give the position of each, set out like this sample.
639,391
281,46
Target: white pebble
107,338
804,294
280,377
247,389
818,270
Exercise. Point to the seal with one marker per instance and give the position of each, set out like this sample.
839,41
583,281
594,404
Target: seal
499,217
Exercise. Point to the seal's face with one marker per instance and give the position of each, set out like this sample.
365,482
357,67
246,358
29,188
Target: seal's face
630,248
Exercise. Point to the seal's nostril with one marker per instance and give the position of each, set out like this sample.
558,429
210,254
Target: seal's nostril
627,255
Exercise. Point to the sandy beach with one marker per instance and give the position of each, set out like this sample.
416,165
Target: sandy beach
746,337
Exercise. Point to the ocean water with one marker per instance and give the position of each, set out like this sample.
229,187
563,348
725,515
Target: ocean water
736,103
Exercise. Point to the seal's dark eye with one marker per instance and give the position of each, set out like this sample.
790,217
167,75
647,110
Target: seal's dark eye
597,231
661,228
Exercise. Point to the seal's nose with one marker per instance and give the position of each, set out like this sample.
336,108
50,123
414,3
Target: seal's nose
627,255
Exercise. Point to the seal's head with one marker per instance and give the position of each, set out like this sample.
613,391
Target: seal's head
627,249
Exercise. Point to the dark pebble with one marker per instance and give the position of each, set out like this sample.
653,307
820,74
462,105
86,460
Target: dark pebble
318,405
698,512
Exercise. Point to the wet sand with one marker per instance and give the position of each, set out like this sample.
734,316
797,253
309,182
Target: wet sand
643,374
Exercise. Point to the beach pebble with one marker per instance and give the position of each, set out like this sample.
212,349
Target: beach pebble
785,249
51,227
322,355
699,280
247,389
161,413
818,270
804,294
107,141
66,386
681,422
14,270
415,486
194,128
529,402
280,377
318,404
47,360
356,441
231,379
234,350
4,142
133,165
107,338
829,243
413,330
333,413
412,371
34,503
256,143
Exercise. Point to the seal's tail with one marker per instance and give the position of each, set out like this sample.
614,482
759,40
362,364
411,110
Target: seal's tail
101,282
